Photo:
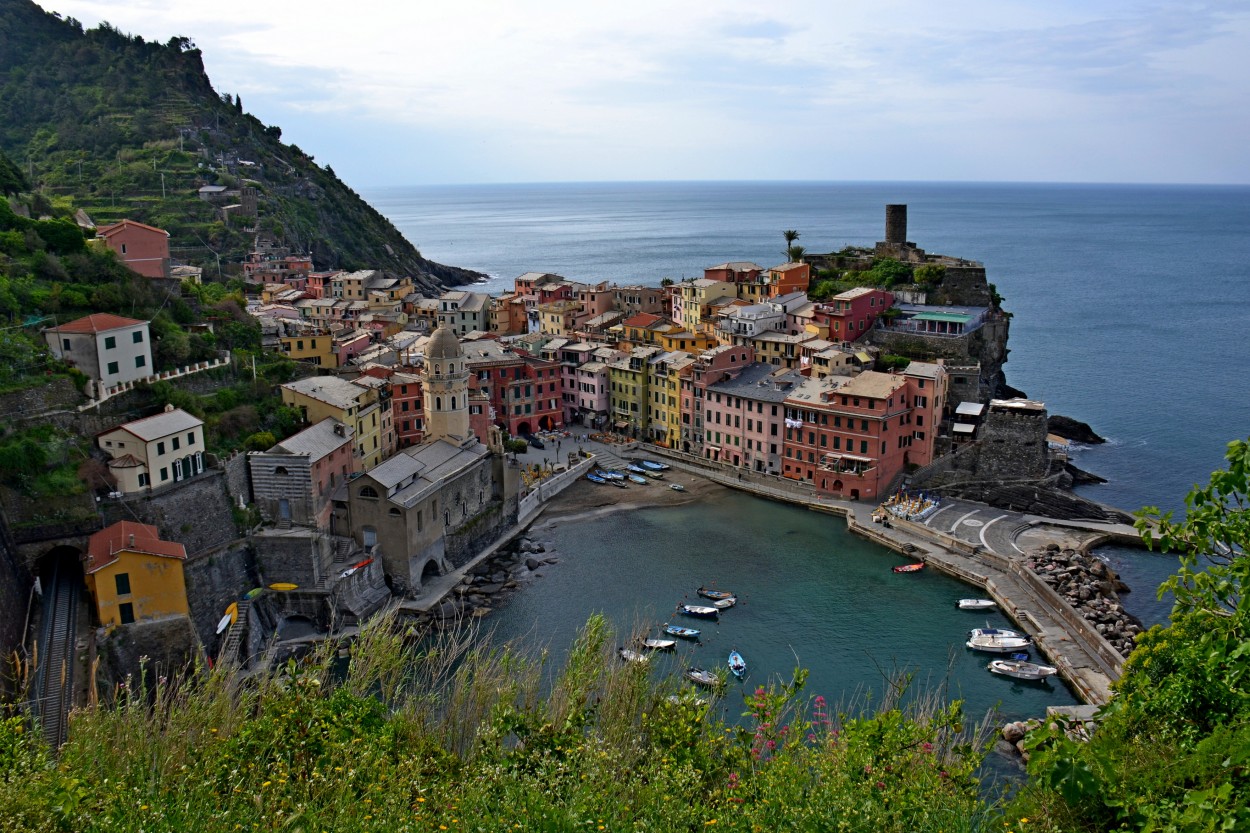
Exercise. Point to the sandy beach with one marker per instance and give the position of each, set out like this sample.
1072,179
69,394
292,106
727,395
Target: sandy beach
584,499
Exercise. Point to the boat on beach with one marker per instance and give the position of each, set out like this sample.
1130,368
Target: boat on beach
1021,670
909,568
654,466
639,479
677,487
737,665
701,676
976,604
681,632
594,478
698,611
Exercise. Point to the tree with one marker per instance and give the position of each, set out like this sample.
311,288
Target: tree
796,254
790,235
664,282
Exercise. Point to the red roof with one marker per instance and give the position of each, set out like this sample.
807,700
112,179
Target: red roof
107,231
97,322
642,319
104,547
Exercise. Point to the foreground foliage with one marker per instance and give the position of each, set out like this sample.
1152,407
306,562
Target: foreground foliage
1172,752
455,737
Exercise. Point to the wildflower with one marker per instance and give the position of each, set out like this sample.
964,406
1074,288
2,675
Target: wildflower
881,785
926,746
709,821
772,744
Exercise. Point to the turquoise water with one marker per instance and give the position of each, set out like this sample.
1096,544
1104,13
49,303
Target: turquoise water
810,594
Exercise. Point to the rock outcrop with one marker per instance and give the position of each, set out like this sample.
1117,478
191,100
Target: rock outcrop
1092,588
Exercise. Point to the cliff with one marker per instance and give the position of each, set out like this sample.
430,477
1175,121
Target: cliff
121,127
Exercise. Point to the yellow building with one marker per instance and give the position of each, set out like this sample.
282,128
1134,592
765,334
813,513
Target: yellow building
664,394
630,399
685,341
355,405
316,349
133,575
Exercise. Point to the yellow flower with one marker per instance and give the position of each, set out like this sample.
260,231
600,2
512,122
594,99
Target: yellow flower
709,821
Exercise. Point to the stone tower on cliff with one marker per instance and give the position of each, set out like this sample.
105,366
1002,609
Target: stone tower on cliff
446,389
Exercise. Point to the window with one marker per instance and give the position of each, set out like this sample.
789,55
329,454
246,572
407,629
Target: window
112,368
190,438
110,342
126,612
176,443
65,344
368,492
160,448
123,583
137,336
141,361
144,480
164,474
863,446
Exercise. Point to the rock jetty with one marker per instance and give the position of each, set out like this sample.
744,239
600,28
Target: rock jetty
1092,588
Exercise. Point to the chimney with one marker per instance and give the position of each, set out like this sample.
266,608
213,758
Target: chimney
132,539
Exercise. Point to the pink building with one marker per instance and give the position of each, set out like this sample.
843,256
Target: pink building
744,415
292,482
850,315
710,367
143,248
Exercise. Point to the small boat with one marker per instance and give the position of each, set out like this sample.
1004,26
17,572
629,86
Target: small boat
610,475
654,466
224,623
659,644
995,644
228,619
701,676
1021,670
635,468
698,611
975,604
283,586
620,484
909,568
639,479
677,487
725,604
631,656
253,593
737,664
987,631
355,568
654,475
679,631
594,478
715,595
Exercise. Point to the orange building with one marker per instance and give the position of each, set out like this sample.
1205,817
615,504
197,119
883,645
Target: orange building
132,574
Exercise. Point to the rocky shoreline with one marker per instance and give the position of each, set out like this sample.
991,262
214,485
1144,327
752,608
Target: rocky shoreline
1092,588
490,582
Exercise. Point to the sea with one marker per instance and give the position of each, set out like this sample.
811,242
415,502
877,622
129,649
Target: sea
1130,311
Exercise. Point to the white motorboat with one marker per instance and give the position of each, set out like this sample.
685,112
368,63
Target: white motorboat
659,644
1021,670
722,604
976,604
996,644
701,676
988,631
699,611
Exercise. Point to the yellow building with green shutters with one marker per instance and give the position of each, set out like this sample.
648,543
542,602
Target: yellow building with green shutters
133,575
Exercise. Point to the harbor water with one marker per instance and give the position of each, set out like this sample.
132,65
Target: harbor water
811,594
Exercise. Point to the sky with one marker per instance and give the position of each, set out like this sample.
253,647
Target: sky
484,91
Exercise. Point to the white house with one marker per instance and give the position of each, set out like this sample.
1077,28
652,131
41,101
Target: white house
155,451
108,348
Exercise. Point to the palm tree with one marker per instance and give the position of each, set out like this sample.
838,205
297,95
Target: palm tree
790,235
796,254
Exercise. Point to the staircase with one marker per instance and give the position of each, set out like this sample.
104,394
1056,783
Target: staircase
234,637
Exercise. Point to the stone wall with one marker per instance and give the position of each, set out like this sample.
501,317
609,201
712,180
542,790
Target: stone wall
298,556
986,346
169,644
463,545
195,512
15,586
238,484
214,580
962,286
58,396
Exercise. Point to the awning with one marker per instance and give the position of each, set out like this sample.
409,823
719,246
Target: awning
863,357
963,428
974,409
620,425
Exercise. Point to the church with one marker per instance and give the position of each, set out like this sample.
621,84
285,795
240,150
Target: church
431,508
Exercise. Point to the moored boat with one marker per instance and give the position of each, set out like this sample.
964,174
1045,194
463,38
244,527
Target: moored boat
682,632
659,644
909,568
975,604
701,676
737,665
630,655
725,604
594,478
996,644
654,466
698,611
1021,670
283,586
715,595
988,631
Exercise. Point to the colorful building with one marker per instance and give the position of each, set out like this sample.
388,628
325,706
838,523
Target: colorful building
154,451
108,348
358,406
133,575
292,482
849,315
143,248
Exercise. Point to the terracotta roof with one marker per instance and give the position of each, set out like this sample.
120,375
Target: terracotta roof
126,461
105,231
642,319
104,547
97,322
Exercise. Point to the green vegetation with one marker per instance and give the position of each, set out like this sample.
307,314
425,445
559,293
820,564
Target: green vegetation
1172,752
446,734
127,128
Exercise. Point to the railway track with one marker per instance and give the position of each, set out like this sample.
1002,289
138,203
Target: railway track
54,681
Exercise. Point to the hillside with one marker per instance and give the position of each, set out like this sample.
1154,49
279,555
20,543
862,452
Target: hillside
121,127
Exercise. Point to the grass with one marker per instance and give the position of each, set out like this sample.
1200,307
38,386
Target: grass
446,732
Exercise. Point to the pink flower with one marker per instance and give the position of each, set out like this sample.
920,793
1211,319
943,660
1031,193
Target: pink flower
772,744
926,747
881,785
